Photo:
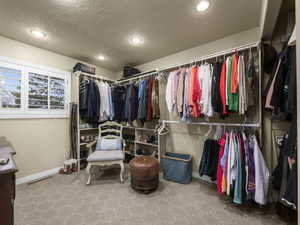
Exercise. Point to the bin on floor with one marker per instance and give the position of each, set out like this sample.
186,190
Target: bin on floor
177,167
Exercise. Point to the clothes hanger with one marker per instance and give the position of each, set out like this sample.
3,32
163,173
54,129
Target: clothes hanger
206,135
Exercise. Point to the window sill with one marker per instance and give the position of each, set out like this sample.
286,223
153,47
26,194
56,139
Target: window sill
4,117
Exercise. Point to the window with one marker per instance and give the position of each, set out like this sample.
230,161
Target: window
10,88
28,91
38,91
57,93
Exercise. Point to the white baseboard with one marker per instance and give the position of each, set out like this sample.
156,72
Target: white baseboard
35,176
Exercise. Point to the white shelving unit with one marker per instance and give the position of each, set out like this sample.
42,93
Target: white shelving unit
142,132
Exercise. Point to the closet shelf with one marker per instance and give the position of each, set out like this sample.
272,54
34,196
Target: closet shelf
139,128
91,128
82,144
145,143
129,152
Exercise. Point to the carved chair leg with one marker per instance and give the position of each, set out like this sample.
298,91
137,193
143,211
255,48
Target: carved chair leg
88,169
122,171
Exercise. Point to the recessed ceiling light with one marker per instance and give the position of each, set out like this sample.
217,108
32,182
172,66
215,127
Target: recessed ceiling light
101,57
202,5
136,40
38,33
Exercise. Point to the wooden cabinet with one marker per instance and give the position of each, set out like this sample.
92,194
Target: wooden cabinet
7,186
7,197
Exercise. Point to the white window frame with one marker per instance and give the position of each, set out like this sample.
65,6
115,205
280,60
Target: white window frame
24,111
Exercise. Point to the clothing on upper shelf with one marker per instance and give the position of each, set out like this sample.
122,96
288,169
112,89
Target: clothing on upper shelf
212,88
237,163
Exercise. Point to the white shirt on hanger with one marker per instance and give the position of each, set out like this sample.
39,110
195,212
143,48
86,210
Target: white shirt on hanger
261,175
104,101
205,78
169,92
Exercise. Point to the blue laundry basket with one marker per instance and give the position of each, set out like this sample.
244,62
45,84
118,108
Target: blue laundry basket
177,167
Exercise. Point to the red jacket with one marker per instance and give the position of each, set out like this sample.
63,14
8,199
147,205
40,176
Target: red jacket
196,92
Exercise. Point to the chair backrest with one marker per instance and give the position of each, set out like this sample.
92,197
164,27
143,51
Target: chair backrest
110,130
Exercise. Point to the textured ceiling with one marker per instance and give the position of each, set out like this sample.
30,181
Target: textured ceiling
83,29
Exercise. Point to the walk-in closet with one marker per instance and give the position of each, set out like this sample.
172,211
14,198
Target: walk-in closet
149,112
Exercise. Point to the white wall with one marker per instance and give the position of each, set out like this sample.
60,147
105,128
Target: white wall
41,144
202,50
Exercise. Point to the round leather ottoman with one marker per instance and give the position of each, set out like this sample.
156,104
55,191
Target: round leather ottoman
144,172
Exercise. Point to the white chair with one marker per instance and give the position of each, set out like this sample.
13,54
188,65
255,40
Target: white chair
109,133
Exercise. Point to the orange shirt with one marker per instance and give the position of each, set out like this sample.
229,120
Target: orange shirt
234,84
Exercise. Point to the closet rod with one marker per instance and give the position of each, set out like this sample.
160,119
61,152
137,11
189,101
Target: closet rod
137,76
93,76
215,124
214,55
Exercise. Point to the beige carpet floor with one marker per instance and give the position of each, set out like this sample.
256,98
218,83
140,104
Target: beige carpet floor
66,200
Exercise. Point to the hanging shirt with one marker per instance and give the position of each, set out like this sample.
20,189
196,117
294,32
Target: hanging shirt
180,89
142,100
174,90
230,164
228,78
118,98
194,92
104,103
271,89
233,168
155,100
215,88
224,164
205,78
242,86
250,190
111,105
223,88
186,109
261,175
238,181
169,92
149,100
233,99
220,171
235,77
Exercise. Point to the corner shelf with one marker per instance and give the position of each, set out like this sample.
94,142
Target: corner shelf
91,128
137,132
145,143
